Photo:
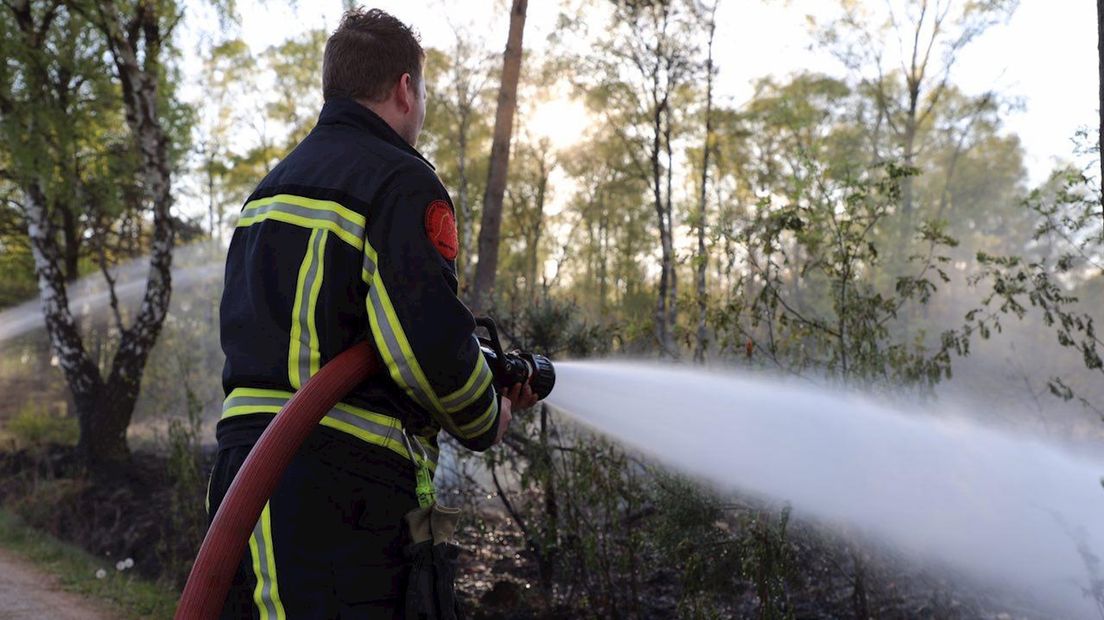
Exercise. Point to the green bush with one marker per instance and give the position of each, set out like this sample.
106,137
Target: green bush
35,426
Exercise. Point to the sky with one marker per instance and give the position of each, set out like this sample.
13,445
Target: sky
1045,55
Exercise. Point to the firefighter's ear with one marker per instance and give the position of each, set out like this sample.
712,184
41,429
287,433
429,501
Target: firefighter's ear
404,93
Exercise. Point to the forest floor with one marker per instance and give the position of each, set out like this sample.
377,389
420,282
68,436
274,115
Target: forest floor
497,577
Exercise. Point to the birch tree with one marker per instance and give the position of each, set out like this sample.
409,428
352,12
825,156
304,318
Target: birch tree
130,44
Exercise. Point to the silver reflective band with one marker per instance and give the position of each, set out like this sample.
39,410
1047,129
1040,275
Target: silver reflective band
305,212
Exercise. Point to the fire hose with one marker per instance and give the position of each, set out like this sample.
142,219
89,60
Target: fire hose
223,546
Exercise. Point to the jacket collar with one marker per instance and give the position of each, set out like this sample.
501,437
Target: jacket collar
349,112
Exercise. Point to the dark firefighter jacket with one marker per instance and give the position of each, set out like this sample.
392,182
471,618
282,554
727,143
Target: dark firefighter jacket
332,248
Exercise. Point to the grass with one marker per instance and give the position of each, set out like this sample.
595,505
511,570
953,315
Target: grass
76,572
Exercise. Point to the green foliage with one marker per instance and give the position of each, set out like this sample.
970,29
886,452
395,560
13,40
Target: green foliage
1069,223
811,302
557,328
187,521
37,426
770,561
692,531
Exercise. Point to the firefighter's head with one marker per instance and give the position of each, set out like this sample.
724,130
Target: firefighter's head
377,60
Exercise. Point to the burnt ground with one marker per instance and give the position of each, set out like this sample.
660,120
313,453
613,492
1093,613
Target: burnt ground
498,579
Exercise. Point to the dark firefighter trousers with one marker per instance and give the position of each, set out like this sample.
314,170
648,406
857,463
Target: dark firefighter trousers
330,541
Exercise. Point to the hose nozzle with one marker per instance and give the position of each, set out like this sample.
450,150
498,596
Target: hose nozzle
516,366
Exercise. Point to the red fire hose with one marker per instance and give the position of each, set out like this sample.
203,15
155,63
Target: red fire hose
209,581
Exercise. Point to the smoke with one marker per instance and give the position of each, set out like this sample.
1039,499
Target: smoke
1009,510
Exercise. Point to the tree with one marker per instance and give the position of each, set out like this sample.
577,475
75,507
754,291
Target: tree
808,301
527,195
1100,83
633,78
1014,285
457,130
491,220
930,35
296,65
131,39
702,259
228,69
608,232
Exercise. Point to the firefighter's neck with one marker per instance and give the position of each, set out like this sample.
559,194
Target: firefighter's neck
399,110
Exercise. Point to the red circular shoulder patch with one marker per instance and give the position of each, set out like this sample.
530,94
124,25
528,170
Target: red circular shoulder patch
440,226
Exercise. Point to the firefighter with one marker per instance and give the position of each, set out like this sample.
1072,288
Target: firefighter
352,236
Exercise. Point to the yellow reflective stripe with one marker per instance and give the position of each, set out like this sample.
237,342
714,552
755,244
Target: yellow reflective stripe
397,353
466,395
420,384
266,519
481,424
376,428
255,554
266,595
366,436
348,225
245,409
259,393
303,363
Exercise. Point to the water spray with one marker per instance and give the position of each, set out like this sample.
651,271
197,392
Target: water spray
209,581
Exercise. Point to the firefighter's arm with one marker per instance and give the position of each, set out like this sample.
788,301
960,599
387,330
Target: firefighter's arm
424,333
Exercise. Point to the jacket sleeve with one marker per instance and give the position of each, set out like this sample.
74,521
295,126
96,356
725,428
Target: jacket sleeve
423,332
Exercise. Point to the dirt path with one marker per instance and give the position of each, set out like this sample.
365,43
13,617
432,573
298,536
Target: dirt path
26,592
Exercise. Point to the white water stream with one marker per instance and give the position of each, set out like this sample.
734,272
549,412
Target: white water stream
1007,510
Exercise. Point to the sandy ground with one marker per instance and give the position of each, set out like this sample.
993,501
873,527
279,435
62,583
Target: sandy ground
26,592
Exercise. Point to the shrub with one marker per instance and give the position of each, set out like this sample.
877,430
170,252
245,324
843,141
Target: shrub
36,426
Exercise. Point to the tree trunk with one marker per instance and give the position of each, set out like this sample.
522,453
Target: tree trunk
104,417
1100,81
105,443
543,168
72,235
663,328
707,148
491,220
671,319
466,223
909,155
80,371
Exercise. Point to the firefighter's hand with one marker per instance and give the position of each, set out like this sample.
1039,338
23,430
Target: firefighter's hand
503,419
521,396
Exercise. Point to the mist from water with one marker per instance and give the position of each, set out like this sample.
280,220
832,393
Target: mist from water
89,296
1007,510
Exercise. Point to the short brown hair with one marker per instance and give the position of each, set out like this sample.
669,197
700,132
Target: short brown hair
367,54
